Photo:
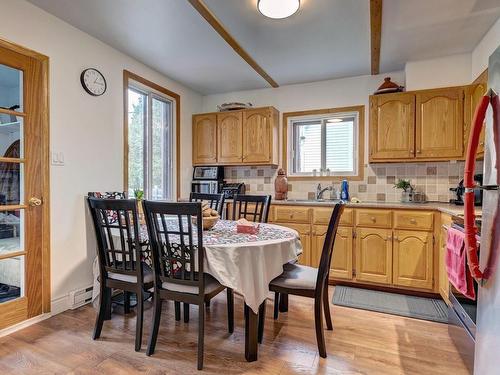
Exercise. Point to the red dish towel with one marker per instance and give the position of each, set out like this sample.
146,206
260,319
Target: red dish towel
456,264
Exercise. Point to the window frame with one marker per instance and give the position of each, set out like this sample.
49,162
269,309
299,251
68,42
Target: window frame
289,146
153,90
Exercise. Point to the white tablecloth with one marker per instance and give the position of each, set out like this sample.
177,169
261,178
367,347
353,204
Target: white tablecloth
247,263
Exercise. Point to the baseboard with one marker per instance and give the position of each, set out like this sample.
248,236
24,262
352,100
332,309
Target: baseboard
59,305
24,324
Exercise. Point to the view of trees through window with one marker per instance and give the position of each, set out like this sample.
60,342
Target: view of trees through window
149,144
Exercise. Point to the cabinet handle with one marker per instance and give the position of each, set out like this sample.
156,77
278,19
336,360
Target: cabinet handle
411,151
418,151
373,219
396,238
389,238
291,215
413,221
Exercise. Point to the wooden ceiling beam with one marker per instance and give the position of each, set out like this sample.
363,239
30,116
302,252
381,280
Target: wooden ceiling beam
375,34
210,17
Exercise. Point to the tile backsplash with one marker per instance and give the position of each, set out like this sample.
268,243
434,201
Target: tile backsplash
433,179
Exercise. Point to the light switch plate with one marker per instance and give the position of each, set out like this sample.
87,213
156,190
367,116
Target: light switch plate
57,158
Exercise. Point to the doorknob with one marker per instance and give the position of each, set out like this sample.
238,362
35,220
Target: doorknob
35,202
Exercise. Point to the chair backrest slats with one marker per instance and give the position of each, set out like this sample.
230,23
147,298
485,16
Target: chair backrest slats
215,201
117,233
176,237
259,207
327,252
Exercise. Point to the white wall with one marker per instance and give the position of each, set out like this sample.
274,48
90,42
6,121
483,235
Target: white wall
446,71
484,49
86,129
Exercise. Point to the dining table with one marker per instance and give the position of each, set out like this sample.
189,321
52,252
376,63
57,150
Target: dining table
246,263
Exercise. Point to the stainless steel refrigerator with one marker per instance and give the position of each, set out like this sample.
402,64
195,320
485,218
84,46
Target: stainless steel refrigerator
487,353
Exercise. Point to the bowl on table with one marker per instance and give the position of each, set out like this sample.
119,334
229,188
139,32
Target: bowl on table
210,217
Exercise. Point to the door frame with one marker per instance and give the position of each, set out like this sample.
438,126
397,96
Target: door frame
43,119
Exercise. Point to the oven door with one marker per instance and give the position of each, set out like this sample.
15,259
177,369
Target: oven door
204,187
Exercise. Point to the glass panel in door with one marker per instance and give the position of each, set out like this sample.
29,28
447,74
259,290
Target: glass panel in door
161,147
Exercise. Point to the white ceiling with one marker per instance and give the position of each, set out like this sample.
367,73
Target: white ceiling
326,39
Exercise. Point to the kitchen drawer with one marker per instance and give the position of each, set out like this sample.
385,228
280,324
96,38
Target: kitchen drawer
374,218
291,214
413,220
321,215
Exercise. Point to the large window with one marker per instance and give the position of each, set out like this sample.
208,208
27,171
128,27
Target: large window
150,142
324,144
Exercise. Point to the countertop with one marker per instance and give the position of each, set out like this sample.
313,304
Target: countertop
447,208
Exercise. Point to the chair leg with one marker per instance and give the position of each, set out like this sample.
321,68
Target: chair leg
276,305
318,322
230,310
138,326
126,302
186,312
101,314
283,302
207,305
177,310
262,320
107,300
201,334
155,325
326,308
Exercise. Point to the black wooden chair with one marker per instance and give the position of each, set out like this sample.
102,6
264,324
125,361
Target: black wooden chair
119,254
215,201
311,282
178,257
251,207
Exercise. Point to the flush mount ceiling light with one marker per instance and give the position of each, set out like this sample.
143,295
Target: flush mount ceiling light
278,9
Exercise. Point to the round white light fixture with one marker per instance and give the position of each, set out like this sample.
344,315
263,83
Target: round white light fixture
278,9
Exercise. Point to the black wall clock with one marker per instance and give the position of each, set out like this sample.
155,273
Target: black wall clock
93,82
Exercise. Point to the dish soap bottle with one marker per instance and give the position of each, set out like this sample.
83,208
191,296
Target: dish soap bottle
344,191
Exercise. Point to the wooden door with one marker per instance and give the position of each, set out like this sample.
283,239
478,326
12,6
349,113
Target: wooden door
473,95
444,284
304,231
392,126
230,137
24,215
205,139
439,124
374,255
257,136
413,259
341,263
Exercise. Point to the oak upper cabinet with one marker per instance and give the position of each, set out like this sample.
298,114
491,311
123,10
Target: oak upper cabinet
439,124
230,137
413,259
204,139
260,136
392,126
473,95
374,255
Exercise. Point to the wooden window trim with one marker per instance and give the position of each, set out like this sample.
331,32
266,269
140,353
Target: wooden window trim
360,109
127,77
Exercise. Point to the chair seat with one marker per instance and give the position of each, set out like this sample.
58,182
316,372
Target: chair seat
211,285
296,276
146,271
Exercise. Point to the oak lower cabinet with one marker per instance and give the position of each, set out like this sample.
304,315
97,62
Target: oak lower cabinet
341,263
205,139
374,255
304,231
413,259
444,284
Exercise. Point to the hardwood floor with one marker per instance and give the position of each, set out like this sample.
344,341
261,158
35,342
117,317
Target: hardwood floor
362,342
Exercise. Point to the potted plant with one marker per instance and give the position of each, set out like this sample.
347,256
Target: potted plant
407,192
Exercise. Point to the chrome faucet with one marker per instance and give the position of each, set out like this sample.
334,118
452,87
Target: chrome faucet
320,191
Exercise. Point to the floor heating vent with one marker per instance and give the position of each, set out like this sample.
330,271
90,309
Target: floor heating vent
80,297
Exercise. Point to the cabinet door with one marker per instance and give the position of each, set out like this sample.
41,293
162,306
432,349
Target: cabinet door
257,136
444,285
439,125
473,95
341,263
413,259
374,255
230,137
305,238
204,139
392,126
